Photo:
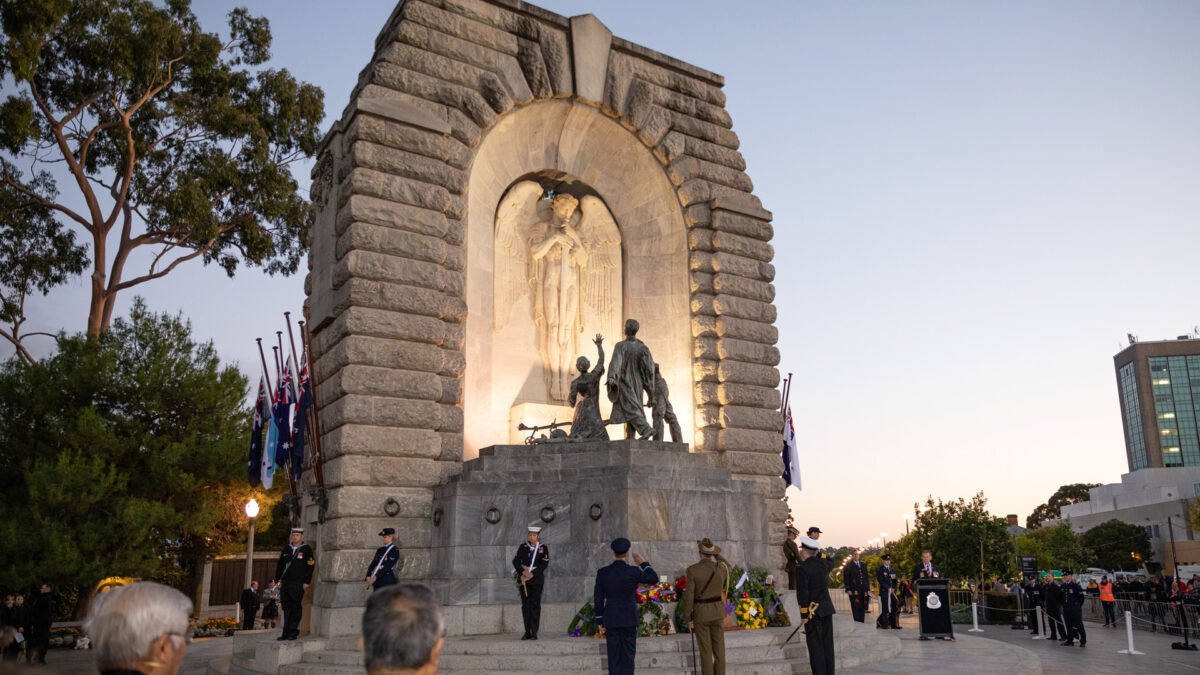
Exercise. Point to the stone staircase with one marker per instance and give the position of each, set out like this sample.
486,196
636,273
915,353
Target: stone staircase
753,652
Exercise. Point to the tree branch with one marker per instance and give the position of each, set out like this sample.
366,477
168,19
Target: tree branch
16,185
76,169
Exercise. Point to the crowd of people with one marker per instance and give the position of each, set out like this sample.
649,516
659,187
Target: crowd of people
25,626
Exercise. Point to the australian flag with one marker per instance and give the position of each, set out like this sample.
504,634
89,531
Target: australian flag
261,412
281,412
304,402
790,454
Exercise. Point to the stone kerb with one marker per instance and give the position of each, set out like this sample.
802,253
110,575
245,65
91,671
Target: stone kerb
388,292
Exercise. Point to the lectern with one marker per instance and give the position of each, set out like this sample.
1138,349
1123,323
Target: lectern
933,608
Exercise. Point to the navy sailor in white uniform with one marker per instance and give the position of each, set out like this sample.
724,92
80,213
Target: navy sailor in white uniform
529,565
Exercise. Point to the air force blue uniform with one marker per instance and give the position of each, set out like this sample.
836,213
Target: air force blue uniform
381,566
615,602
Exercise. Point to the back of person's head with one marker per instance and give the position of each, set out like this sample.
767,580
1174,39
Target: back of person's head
402,630
126,623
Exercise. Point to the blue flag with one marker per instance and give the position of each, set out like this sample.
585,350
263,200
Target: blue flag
261,412
305,401
281,412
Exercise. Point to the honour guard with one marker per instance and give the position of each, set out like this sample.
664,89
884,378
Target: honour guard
858,585
294,572
1073,596
703,605
529,565
889,616
379,572
791,555
816,607
615,598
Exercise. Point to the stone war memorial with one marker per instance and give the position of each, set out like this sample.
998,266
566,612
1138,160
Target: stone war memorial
505,185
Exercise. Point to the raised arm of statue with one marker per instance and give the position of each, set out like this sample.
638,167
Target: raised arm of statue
599,369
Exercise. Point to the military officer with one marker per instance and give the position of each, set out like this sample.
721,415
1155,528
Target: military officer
1073,596
791,555
1033,596
816,607
814,533
858,585
615,598
379,572
529,565
294,572
889,616
703,606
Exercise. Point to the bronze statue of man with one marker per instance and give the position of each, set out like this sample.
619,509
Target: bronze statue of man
631,372
661,410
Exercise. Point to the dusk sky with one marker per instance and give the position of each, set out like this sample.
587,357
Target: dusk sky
974,203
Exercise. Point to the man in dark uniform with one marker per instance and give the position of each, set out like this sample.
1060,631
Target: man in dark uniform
816,607
1073,610
858,585
529,565
1033,598
615,601
39,621
1053,595
294,572
791,555
249,603
379,572
889,616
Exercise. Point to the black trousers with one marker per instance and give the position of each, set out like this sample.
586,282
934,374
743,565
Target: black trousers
818,637
888,609
531,606
858,606
291,596
1110,615
1073,616
1054,619
248,617
1033,620
622,649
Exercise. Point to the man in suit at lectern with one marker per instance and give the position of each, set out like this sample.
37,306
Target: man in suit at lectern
927,570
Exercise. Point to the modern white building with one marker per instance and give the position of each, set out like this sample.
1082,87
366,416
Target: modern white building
1150,498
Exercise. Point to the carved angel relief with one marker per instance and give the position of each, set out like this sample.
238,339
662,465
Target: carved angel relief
567,254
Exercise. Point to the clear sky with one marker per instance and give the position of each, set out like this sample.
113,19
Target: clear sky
974,203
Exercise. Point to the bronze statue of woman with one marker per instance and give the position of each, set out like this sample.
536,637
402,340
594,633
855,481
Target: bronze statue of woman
588,424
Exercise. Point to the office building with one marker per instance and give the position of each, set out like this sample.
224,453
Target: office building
1158,384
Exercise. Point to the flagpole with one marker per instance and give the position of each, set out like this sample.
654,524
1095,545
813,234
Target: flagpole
278,367
263,356
319,458
279,339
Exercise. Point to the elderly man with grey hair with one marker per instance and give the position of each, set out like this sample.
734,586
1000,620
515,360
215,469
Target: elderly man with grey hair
139,628
402,631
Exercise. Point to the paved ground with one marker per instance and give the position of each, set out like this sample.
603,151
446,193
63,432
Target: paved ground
998,649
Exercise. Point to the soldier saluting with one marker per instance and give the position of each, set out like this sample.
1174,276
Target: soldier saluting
294,572
530,565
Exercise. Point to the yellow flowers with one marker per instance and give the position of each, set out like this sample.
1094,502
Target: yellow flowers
750,614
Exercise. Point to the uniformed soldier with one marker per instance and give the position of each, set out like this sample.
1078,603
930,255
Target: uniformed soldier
791,555
858,585
889,609
1052,594
814,533
1073,610
703,606
379,572
1033,596
294,572
816,607
529,565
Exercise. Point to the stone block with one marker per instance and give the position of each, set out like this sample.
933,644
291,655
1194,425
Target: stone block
385,471
707,371
748,394
705,348
392,242
743,225
356,533
363,181
381,411
399,298
375,441
410,165
756,460
330,622
398,270
368,209
706,131
741,308
462,27
747,352
703,305
649,515
403,112
375,381
747,329
701,282
751,289
742,267
704,326
482,620
590,45
747,373
370,502
385,353
746,417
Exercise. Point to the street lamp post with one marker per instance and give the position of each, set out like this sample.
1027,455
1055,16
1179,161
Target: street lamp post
906,518
251,513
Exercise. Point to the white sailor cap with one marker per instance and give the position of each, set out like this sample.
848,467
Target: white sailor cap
298,529
810,543
534,529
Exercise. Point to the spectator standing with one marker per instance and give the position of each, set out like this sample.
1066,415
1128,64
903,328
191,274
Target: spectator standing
40,615
270,598
1054,602
1108,601
139,628
249,603
10,619
402,631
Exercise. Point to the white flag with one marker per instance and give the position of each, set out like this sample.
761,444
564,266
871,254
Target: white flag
790,454
745,577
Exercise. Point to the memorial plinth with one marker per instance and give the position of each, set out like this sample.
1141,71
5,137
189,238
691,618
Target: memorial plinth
583,495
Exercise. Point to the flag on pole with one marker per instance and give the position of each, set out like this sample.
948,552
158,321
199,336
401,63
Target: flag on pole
790,454
267,472
304,402
261,411
285,399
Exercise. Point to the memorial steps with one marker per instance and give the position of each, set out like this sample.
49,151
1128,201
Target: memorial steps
755,651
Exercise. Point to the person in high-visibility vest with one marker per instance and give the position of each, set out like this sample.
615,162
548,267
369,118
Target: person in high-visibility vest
1109,602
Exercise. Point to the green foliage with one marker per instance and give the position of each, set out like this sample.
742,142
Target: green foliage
1117,545
1052,509
584,621
954,530
123,457
1056,547
176,138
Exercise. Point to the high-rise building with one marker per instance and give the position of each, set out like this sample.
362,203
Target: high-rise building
1159,387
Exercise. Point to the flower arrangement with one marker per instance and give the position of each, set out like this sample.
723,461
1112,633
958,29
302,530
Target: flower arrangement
750,614
650,618
584,622
680,620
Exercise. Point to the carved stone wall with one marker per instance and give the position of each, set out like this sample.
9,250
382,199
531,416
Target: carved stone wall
390,292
